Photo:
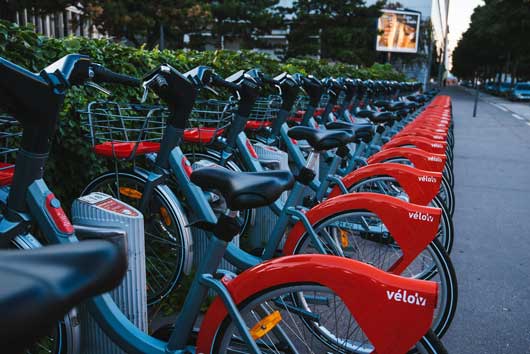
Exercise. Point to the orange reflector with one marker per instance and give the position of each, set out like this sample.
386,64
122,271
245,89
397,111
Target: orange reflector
165,216
265,325
344,238
130,192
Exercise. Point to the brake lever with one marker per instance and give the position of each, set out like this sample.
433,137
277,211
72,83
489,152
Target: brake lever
211,89
98,87
145,94
145,86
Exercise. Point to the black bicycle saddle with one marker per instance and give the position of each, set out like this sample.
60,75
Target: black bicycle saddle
244,190
362,131
38,287
322,140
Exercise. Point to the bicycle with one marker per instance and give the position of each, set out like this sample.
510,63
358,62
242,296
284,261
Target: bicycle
407,321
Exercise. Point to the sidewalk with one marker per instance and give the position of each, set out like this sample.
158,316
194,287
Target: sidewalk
492,229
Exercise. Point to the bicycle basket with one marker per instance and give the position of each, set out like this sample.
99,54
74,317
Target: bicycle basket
264,111
123,130
341,100
299,109
324,101
10,133
208,120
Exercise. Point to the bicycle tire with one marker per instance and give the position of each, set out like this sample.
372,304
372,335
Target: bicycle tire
182,245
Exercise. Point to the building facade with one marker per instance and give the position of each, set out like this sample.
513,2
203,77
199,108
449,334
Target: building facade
59,24
437,12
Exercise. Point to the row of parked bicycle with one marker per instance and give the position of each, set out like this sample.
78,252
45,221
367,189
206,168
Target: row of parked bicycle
310,216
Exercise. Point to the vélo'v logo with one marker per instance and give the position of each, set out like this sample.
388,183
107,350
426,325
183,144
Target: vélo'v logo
434,158
403,296
429,179
420,216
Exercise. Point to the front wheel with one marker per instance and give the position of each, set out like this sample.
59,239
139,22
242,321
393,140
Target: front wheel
166,239
302,318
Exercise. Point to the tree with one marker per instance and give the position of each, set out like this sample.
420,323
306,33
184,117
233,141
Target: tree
142,21
343,30
245,20
496,41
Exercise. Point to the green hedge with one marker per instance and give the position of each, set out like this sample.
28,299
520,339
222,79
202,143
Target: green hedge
72,163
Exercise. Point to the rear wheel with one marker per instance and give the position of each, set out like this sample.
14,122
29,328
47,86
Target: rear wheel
360,235
447,194
309,319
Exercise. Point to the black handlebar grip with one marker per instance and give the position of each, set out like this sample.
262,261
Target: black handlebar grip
102,74
269,80
218,81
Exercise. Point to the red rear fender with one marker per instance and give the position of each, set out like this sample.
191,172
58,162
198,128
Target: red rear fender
426,133
412,226
437,147
421,186
421,159
392,324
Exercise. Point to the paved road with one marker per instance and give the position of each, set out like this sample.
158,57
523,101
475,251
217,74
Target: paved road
518,110
492,225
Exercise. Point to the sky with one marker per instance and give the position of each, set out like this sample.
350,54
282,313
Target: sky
459,18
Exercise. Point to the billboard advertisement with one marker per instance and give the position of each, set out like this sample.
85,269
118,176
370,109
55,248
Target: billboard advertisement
398,31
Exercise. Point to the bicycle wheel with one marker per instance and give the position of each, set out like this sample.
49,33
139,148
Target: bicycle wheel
64,337
310,319
447,194
360,235
389,186
166,239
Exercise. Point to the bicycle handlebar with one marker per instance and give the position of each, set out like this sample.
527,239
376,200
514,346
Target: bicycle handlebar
220,82
101,74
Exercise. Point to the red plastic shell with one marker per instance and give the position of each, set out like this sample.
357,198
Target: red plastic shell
426,133
437,147
420,159
124,150
58,216
421,186
186,165
202,135
257,124
7,170
392,327
251,149
412,226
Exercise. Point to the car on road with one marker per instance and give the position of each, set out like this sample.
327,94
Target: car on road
520,92
504,89
490,87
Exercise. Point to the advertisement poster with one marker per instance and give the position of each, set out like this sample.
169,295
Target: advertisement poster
398,31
